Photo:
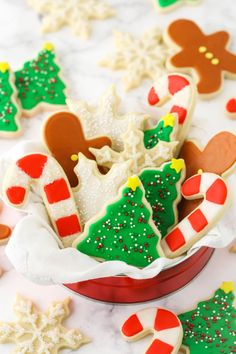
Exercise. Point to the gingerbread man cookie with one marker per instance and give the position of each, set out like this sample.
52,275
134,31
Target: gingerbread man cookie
218,156
168,5
64,137
207,56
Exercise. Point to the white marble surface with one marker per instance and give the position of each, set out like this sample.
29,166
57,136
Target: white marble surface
19,40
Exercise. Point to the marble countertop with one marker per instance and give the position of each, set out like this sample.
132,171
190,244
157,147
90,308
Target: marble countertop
19,41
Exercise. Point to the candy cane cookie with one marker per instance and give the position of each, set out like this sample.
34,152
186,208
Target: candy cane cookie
193,227
54,188
163,324
181,90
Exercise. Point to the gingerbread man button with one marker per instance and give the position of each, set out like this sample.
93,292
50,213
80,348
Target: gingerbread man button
207,56
64,138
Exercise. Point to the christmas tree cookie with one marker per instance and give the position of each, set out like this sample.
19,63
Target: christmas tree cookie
162,191
165,130
10,111
39,83
124,231
211,327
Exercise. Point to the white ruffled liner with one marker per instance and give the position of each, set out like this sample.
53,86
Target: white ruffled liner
35,252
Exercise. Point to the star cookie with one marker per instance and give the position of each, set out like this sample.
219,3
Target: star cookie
141,58
134,149
40,333
64,138
75,14
95,189
206,56
105,119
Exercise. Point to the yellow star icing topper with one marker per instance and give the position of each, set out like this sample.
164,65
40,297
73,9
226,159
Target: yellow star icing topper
200,171
227,286
133,182
4,67
177,164
169,120
48,46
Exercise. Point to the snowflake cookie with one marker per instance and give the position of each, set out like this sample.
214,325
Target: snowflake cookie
143,57
104,119
135,150
96,189
40,333
76,14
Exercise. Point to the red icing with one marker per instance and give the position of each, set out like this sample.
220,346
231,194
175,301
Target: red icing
192,186
217,193
159,347
175,239
132,326
231,105
16,195
33,164
182,113
68,225
57,191
153,97
198,220
177,83
165,320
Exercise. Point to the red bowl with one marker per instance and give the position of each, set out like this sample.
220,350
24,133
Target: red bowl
122,289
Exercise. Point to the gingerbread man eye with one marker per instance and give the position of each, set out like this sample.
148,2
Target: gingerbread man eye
74,157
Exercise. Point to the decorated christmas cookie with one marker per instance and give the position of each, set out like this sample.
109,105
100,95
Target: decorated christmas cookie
141,58
124,231
163,324
168,5
75,14
210,328
162,191
64,137
36,332
206,56
231,108
96,189
134,149
193,227
39,84
54,188
104,119
181,91
218,156
165,130
10,111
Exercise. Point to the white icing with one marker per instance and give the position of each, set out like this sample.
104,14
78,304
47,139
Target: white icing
147,317
161,87
76,14
207,181
211,210
104,119
63,208
183,98
171,336
95,189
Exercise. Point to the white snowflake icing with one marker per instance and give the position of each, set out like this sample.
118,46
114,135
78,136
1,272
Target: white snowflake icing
143,57
95,189
40,333
104,119
134,149
76,14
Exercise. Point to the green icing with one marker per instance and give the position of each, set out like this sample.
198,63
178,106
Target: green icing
8,109
152,136
38,81
211,327
162,191
166,3
124,232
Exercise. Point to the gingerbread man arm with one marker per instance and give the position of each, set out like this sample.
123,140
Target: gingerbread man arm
229,63
182,59
221,37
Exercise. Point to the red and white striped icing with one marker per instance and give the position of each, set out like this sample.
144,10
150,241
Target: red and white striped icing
215,193
180,90
54,186
163,324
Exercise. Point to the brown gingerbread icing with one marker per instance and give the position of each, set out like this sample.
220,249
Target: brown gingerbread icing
5,232
218,156
64,137
207,55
